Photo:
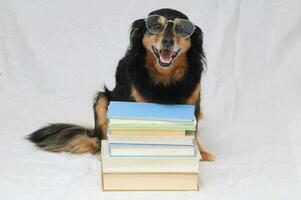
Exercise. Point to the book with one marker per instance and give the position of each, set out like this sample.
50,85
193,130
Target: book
150,111
151,150
149,181
151,137
150,147
127,164
151,127
125,124
149,122
163,133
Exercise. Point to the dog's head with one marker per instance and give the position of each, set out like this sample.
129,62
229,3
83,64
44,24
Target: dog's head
166,43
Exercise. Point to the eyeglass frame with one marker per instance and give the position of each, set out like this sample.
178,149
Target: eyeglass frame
173,28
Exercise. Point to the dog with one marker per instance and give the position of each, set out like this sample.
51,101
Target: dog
163,64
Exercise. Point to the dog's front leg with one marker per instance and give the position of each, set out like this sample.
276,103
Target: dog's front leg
100,115
206,156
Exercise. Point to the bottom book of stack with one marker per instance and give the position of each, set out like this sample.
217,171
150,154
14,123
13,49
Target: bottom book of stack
122,173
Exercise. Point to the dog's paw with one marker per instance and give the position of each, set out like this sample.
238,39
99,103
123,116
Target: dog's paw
207,156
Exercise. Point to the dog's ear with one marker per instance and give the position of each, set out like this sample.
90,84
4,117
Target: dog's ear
196,53
137,32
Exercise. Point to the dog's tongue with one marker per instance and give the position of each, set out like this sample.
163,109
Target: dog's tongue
166,56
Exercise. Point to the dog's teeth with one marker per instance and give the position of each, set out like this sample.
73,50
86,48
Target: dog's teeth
165,60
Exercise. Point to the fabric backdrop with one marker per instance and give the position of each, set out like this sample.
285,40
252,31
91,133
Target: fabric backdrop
55,55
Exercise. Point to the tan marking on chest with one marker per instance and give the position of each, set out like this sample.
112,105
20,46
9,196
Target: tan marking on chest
136,96
166,76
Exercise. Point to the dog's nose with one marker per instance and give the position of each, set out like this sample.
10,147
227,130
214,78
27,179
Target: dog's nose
167,42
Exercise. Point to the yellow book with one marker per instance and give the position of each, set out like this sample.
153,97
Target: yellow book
150,181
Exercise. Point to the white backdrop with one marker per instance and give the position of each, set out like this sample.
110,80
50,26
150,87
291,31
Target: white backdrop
55,54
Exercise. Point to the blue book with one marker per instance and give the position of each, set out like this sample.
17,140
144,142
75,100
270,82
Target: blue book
150,111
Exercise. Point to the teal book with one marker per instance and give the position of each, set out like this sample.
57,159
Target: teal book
150,111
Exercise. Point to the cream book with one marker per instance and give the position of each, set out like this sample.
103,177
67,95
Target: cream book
148,164
150,182
128,124
139,125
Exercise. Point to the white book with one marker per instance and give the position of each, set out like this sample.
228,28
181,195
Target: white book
111,164
151,150
186,140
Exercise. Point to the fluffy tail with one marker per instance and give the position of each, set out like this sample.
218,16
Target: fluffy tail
65,137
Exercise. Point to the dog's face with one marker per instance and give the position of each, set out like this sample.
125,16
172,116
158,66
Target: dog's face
166,46
169,52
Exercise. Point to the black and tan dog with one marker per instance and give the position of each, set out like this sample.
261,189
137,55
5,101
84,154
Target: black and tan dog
163,64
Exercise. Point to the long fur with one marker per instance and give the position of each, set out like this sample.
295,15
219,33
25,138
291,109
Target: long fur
131,70
65,137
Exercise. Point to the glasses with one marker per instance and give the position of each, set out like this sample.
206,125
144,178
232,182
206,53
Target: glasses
183,28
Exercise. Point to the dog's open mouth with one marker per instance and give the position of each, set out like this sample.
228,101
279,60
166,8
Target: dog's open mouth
165,56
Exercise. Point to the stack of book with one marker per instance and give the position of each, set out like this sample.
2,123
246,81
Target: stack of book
150,147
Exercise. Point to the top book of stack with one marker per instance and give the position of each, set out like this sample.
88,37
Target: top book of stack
151,112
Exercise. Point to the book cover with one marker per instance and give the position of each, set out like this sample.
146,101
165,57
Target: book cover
150,111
